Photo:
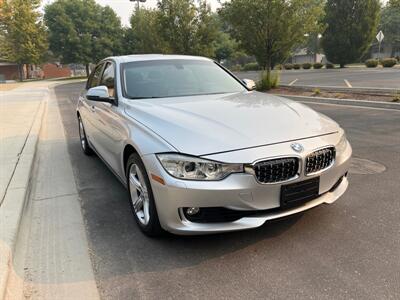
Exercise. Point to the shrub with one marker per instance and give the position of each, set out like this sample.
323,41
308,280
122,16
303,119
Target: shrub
318,66
251,67
388,62
236,68
307,66
329,66
316,92
267,81
288,66
371,63
297,66
396,96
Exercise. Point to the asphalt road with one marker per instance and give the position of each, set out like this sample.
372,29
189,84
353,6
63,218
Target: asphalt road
355,77
349,250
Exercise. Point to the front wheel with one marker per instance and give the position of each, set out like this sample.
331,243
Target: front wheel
83,139
141,197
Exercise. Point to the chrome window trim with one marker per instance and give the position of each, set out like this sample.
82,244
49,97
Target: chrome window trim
249,168
323,170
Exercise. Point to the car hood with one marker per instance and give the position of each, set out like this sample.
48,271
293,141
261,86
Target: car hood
208,124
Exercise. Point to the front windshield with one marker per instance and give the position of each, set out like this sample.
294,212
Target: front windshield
175,78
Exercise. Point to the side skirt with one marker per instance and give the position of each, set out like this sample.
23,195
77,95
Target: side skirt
108,166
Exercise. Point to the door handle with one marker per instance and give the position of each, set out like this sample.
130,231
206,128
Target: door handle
93,108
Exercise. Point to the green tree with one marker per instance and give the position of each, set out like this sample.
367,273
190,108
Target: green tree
270,29
23,34
224,46
144,35
313,41
109,36
187,28
390,24
351,27
81,31
206,30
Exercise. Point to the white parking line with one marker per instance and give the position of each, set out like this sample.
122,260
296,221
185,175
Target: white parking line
293,82
348,83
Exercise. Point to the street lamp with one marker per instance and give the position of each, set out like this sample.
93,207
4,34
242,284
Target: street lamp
138,2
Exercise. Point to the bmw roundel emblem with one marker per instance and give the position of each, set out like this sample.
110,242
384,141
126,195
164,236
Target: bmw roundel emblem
297,147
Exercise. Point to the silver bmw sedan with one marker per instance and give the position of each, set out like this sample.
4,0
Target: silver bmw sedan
201,152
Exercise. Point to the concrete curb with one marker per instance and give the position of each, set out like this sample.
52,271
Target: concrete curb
15,199
349,102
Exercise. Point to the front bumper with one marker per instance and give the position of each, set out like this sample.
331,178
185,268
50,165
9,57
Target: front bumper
241,191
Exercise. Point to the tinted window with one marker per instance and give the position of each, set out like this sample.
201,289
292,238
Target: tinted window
94,79
173,78
108,78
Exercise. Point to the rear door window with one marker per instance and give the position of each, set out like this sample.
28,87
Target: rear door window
94,79
108,79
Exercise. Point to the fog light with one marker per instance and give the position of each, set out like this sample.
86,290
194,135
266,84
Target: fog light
191,211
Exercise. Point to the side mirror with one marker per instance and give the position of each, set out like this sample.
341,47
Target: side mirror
250,84
98,93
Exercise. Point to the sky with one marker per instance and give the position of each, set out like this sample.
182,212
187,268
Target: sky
124,8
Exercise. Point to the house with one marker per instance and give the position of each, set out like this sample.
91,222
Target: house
55,70
8,70
302,56
387,50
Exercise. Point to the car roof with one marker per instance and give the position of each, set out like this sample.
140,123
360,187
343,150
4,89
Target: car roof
149,57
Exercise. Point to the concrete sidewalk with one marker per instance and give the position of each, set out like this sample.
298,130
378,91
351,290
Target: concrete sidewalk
20,121
43,247
19,109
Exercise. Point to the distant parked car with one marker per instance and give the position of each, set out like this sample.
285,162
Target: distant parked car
201,152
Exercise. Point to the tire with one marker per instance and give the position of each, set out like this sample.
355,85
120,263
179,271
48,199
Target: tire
83,139
141,197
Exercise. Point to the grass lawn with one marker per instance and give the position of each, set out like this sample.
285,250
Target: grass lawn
9,86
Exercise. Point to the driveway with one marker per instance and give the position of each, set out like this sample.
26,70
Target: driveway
350,249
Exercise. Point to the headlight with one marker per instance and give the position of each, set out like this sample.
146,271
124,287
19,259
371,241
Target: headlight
341,146
193,168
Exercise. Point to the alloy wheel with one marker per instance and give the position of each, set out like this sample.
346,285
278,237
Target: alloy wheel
139,194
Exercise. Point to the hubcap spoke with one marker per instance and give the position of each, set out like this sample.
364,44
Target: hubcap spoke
138,205
146,211
136,183
82,134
